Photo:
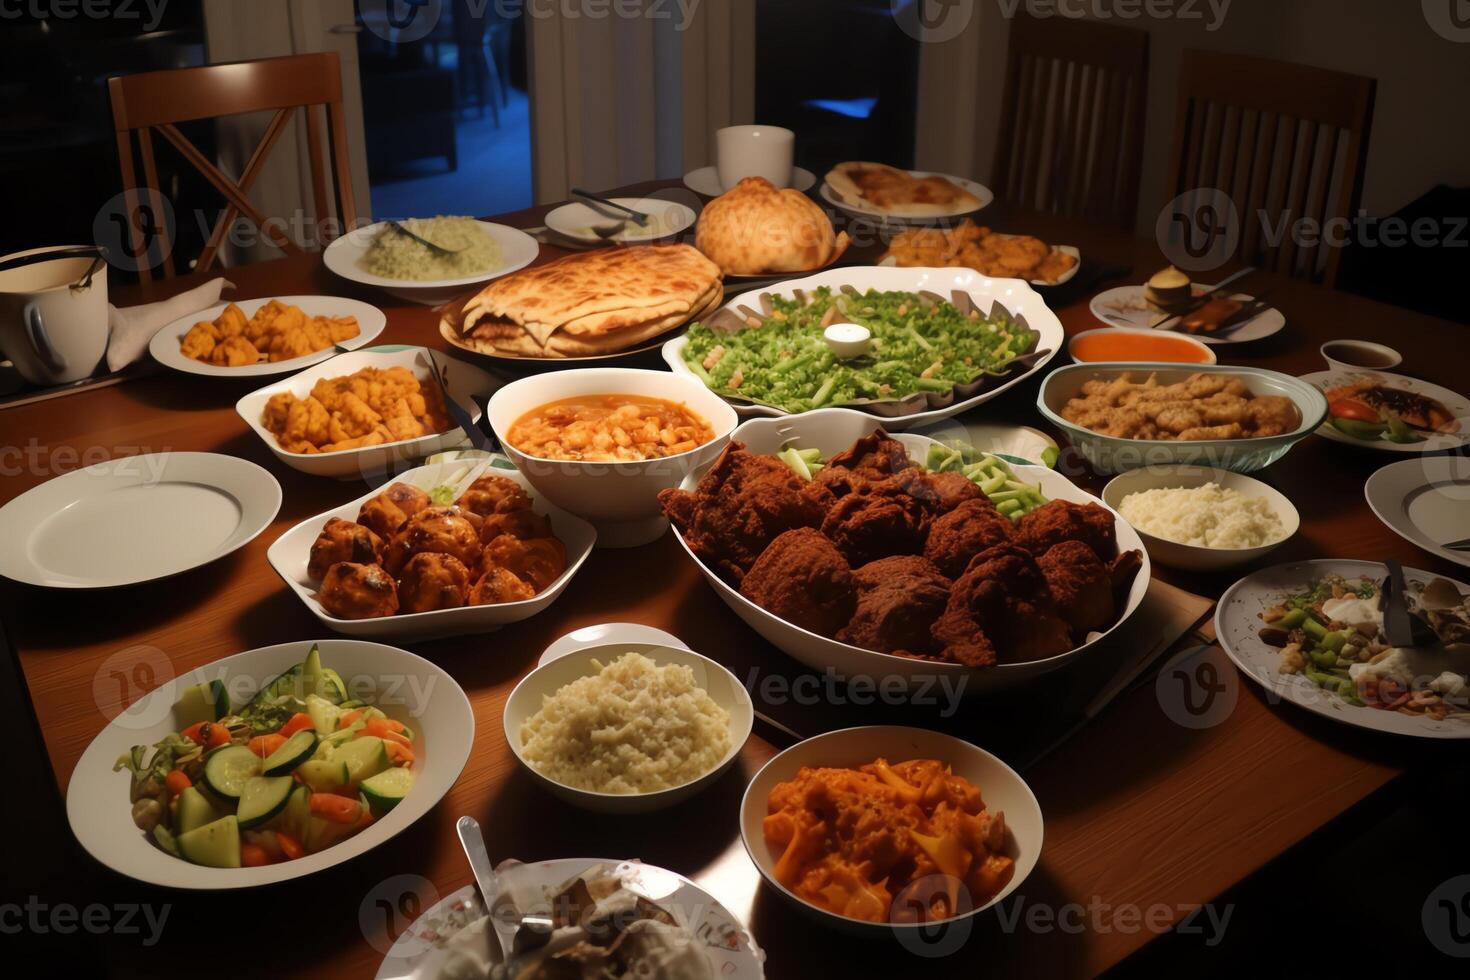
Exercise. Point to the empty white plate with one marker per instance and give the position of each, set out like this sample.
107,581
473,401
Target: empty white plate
135,519
1426,501
165,344
706,181
576,220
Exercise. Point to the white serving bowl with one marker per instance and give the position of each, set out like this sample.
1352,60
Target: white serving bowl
546,679
620,499
1196,558
407,687
290,553
1110,454
1003,790
832,430
1194,344
1015,295
466,383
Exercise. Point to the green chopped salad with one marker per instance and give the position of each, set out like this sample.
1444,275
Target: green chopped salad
921,343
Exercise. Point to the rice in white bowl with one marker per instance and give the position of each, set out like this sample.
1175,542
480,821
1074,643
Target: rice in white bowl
1208,516
632,727
393,255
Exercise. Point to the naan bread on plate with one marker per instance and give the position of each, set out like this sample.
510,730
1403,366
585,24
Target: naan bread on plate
587,304
898,192
755,228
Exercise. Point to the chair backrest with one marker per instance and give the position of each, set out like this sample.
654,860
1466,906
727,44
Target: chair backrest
156,101
1071,132
1284,142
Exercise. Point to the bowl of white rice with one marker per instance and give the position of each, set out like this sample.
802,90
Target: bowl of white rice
378,255
1202,519
628,727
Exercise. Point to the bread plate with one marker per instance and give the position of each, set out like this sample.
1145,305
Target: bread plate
857,205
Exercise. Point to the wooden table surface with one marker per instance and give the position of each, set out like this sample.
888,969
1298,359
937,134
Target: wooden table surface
1145,819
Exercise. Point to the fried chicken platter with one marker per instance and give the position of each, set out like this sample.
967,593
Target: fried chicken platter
876,552
432,555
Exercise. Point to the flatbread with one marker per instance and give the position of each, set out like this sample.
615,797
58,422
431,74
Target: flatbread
756,228
899,193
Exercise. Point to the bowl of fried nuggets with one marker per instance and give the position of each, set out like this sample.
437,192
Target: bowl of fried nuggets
364,412
265,336
406,562
877,568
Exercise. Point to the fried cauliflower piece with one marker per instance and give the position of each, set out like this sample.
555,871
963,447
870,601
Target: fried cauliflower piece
434,529
392,508
200,341
341,541
352,590
536,561
432,580
499,585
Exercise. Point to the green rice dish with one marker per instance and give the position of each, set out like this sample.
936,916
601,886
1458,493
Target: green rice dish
922,345
393,255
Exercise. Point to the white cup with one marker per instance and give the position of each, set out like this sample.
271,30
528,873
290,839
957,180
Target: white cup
53,330
1360,355
754,151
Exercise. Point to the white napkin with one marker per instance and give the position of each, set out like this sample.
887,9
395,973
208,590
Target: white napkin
135,326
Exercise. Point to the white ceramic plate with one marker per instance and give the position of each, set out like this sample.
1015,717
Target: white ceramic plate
517,249
575,220
1013,294
1065,277
1457,405
1125,306
550,676
466,383
165,344
706,181
607,634
859,206
1003,790
135,519
290,553
1426,501
833,430
448,941
407,687
1238,623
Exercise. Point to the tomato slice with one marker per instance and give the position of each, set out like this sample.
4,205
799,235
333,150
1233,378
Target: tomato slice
1355,409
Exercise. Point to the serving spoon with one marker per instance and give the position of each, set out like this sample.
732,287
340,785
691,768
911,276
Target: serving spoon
437,249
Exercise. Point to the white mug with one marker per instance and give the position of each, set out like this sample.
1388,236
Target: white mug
754,151
53,329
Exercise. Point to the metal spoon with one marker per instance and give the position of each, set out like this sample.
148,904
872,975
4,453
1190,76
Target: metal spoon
473,843
439,249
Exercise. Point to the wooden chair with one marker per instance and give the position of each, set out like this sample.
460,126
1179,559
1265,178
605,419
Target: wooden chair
1285,142
155,101
1071,132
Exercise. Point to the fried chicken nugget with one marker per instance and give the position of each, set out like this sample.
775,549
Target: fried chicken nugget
234,352
200,341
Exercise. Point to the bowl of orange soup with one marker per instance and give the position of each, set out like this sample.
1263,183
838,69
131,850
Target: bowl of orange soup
602,442
1124,345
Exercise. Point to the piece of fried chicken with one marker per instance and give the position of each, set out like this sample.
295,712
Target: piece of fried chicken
899,598
523,523
970,528
803,578
740,506
1081,585
351,590
1001,609
938,493
876,456
1061,520
391,509
499,585
492,494
431,581
444,530
536,561
342,540
866,527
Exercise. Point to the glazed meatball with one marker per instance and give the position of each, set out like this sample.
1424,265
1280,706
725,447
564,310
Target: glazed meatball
523,524
492,494
438,529
342,540
537,561
499,585
389,510
432,581
352,590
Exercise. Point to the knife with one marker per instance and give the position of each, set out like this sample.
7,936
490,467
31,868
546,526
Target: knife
1396,624
461,418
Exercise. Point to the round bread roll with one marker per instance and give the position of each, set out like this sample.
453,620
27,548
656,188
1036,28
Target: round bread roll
754,228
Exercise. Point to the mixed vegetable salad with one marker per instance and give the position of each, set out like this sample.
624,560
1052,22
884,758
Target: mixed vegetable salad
920,343
299,768
989,472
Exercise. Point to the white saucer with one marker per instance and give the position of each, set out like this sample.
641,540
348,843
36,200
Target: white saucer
706,181
1124,306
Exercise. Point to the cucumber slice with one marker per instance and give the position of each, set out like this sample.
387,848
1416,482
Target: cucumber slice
296,750
215,845
194,811
324,714
262,799
201,702
322,775
384,790
292,820
335,689
322,833
351,703
165,839
364,756
228,767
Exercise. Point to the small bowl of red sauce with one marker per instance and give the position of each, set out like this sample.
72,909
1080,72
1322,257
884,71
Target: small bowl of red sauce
1120,344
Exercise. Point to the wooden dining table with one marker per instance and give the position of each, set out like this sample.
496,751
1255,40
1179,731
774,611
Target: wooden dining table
1147,819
